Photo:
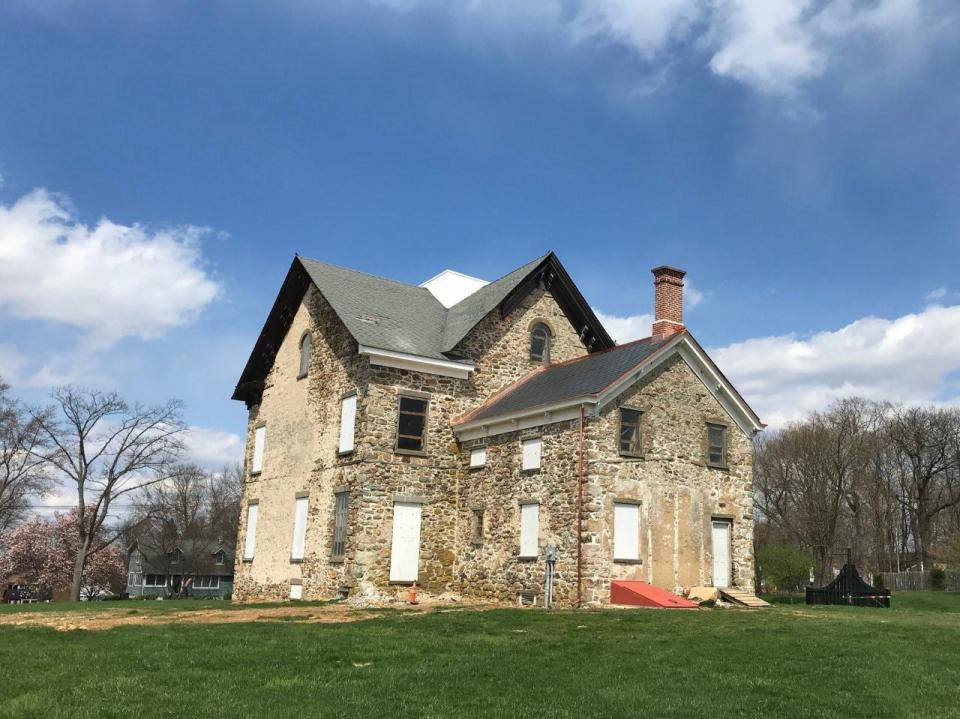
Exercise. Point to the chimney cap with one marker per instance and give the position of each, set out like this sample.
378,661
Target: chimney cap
668,270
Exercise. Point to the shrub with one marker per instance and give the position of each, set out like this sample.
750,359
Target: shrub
784,567
878,581
938,579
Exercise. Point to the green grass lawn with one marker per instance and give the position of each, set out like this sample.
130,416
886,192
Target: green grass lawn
789,660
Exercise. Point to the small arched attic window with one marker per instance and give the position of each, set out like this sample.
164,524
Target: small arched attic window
540,342
305,342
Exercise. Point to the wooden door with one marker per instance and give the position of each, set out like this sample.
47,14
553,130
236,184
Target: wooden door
405,549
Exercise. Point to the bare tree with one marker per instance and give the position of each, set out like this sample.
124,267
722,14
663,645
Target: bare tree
926,442
107,449
22,472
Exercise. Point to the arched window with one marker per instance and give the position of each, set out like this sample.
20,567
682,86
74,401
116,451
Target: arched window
304,355
540,343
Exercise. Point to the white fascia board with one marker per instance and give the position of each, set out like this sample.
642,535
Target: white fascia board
525,419
416,363
703,369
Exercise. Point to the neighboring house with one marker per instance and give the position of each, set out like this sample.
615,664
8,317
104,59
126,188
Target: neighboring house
449,433
157,573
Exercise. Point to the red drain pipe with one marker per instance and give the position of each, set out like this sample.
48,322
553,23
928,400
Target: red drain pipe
580,517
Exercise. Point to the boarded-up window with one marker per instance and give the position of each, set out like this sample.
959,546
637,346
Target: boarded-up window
296,591
299,528
531,453
412,423
629,431
250,542
529,530
305,343
259,441
626,531
348,422
340,524
716,445
478,456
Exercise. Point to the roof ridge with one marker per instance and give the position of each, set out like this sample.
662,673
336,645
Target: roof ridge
362,272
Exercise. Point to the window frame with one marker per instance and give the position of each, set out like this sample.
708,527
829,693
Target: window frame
349,398
544,356
304,368
634,506
707,446
340,530
426,420
478,452
523,455
479,525
521,555
259,439
638,452
302,499
250,538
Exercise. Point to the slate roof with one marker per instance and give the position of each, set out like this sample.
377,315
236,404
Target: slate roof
197,556
389,315
581,377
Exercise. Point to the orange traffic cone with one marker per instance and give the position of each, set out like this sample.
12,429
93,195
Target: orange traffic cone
412,594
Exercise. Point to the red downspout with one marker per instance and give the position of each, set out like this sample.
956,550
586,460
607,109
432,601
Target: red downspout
580,517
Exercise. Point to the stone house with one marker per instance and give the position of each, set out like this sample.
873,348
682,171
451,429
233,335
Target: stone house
460,433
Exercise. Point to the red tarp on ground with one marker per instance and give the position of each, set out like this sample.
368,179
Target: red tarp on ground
641,594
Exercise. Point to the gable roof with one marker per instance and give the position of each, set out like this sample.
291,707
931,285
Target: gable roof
582,377
555,392
393,316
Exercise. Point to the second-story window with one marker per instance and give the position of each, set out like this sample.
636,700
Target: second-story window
629,432
305,343
716,445
540,343
412,424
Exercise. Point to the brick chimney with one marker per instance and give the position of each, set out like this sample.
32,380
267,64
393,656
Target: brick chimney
668,305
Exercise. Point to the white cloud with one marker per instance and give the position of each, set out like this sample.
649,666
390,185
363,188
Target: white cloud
212,448
937,294
110,280
626,329
773,46
907,359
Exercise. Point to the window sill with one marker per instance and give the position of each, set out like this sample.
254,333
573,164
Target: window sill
402,582
721,467
477,467
302,376
410,452
248,561
256,473
346,452
476,542
630,455
535,470
296,561
522,558
336,560
628,561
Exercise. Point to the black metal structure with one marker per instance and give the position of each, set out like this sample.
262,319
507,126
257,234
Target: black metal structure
849,588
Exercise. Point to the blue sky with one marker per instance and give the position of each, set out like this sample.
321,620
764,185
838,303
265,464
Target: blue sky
162,162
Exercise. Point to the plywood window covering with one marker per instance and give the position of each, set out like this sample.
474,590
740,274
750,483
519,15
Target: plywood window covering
532,450
529,530
478,456
477,537
250,542
340,524
716,445
305,343
626,531
412,423
629,431
348,423
259,442
299,528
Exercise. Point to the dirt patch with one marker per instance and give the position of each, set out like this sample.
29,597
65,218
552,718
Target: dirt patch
121,617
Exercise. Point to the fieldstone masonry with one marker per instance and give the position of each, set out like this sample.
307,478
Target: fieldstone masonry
678,493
